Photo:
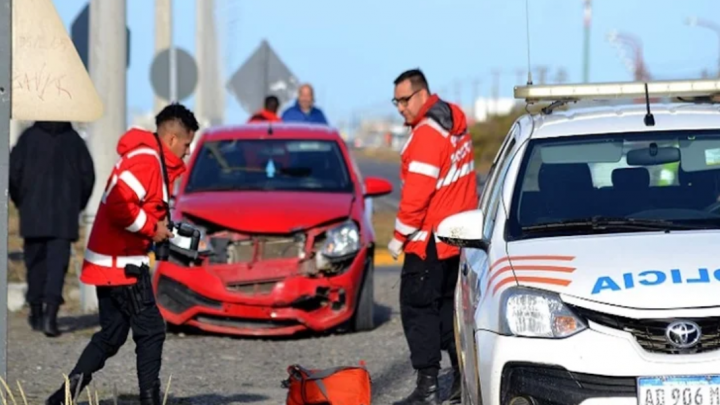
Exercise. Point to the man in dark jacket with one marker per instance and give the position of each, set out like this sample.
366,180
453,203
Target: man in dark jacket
51,179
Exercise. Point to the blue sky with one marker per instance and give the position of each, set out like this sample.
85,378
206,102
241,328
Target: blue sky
352,50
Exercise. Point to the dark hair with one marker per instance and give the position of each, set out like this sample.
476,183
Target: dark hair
272,103
177,112
416,77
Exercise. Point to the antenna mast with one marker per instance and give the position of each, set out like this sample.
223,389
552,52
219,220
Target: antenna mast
586,49
527,30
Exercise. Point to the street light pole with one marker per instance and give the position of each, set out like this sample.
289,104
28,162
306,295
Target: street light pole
173,56
699,22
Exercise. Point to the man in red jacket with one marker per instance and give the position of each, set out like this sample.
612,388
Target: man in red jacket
438,181
132,215
269,113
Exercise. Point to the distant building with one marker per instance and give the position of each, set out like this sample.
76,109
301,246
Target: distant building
486,107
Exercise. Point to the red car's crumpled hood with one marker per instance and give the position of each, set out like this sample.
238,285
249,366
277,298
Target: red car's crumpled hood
266,212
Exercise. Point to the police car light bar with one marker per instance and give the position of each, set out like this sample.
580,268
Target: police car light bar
601,91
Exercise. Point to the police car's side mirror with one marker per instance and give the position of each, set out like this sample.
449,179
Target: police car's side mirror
464,229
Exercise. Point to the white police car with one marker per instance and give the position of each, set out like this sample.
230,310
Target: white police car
588,275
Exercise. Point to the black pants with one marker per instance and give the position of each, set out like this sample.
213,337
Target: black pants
426,307
46,261
116,320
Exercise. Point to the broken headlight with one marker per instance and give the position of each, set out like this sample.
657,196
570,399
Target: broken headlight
341,241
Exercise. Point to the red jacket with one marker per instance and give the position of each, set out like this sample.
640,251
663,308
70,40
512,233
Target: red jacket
129,209
438,177
263,116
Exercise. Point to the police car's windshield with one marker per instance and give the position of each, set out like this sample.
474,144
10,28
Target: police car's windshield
665,177
268,165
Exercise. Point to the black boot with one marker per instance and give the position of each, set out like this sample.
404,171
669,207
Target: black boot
455,396
456,389
426,391
50,321
77,384
36,317
151,396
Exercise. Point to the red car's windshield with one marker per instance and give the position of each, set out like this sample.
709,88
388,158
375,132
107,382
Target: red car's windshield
277,164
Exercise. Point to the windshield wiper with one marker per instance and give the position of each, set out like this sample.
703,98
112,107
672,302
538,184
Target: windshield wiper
603,223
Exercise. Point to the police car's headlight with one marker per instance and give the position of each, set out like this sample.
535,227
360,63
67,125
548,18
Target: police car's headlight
535,313
341,241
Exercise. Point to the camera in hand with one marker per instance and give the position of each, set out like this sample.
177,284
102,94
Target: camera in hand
183,246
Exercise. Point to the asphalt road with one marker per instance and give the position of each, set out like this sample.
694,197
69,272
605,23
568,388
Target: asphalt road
389,171
217,370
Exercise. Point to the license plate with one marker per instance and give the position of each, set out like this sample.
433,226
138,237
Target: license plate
685,390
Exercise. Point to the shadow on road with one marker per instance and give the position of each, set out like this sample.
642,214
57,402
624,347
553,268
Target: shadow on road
214,399
205,399
69,324
397,374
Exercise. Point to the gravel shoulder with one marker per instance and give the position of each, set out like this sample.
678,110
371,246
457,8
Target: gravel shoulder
211,369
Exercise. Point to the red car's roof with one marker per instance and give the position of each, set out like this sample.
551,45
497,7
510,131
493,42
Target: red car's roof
279,131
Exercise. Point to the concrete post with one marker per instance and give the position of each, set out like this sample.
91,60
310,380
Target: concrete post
5,107
108,52
163,35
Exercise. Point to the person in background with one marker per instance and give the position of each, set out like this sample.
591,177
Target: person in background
51,180
269,112
438,181
304,109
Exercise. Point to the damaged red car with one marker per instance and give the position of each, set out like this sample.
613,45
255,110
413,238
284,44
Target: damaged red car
282,214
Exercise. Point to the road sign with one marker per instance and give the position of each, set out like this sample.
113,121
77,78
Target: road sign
185,80
50,83
261,75
80,31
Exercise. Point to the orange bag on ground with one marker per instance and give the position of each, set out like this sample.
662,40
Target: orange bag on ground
332,386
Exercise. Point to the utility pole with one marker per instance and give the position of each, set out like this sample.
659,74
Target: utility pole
458,93
561,76
173,58
586,48
108,53
5,108
475,97
542,73
209,97
496,90
163,35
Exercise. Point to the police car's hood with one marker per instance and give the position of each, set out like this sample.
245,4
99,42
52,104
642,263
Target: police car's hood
639,270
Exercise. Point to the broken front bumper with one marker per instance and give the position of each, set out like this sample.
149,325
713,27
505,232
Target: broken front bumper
270,306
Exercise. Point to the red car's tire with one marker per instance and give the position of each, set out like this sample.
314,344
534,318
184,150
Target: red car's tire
364,317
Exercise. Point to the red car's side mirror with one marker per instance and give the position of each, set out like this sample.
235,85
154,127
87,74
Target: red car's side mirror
377,187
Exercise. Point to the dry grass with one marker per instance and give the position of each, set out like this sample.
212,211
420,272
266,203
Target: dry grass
8,398
16,268
383,223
